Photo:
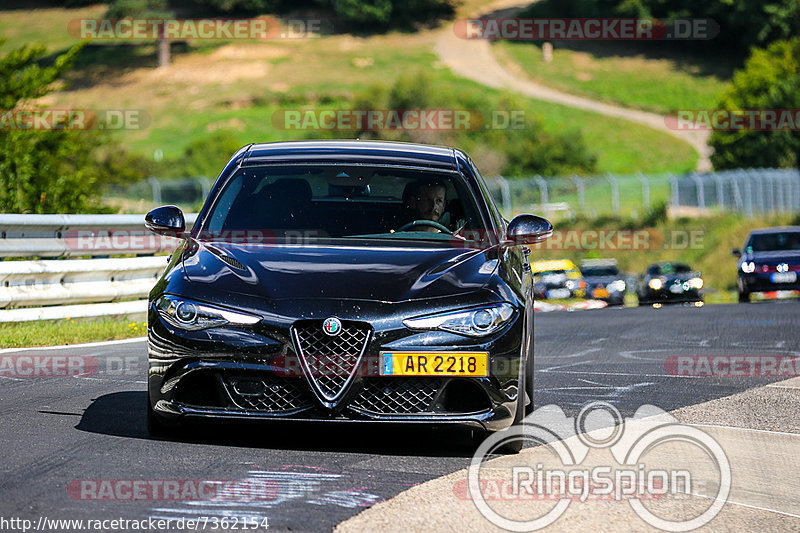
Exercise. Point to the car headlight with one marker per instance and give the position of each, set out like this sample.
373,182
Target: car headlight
655,284
473,322
748,267
695,283
617,285
189,315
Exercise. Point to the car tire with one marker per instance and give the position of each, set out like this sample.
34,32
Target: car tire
744,297
514,446
529,384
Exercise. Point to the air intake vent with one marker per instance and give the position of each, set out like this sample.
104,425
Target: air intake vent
330,361
397,396
232,262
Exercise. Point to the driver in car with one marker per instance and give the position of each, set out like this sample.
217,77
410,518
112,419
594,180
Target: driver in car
425,200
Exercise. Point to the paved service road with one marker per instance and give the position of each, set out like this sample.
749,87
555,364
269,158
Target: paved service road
67,441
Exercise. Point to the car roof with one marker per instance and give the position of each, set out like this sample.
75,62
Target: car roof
776,229
352,152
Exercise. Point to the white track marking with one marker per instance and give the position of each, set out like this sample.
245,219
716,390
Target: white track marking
71,346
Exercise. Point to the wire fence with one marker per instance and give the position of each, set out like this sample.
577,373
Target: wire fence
749,192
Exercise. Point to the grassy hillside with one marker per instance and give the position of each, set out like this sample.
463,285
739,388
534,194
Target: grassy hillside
237,86
635,80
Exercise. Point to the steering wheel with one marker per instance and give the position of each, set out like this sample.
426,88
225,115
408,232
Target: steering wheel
423,222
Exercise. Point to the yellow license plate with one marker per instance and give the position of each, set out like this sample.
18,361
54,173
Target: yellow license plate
600,293
467,364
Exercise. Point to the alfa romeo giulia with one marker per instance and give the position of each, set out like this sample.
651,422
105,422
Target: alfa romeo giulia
344,281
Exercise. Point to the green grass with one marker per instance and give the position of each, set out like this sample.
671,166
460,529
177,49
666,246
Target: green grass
658,85
69,331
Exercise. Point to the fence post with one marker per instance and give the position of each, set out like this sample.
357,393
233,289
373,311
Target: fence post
614,192
720,191
645,190
675,193
701,193
581,192
156,186
505,195
542,191
205,187
748,192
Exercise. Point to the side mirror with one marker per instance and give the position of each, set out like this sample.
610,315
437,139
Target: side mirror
528,229
166,220
737,252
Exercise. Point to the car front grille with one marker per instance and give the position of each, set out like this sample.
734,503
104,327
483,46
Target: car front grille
397,396
267,394
330,361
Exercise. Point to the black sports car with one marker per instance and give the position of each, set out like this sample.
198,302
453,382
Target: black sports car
345,281
670,283
604,281
770,261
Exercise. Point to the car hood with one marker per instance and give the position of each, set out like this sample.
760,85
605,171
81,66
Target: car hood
389,274
776,257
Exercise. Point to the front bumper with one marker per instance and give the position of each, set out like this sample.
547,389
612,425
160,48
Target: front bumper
666,296
230,373
762,282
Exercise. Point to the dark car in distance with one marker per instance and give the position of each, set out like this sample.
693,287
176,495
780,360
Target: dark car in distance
670,283
769,261
344,281
604,281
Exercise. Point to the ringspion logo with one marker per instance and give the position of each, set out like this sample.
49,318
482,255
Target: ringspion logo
599,455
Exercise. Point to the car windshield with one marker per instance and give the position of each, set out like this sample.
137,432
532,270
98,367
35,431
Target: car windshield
600,271
765,242
346,202
546,273
669,268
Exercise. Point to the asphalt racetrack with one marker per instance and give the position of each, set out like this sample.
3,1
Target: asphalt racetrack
64,437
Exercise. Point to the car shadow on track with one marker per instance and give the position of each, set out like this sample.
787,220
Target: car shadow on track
122,414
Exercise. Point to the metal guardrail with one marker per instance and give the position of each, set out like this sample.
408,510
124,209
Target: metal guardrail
56,282
80,235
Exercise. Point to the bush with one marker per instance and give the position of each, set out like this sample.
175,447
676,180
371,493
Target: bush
55,171
204,157
769,80
742,24
511,152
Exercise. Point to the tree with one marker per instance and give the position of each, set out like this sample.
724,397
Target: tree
770,80
145,9
50,171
